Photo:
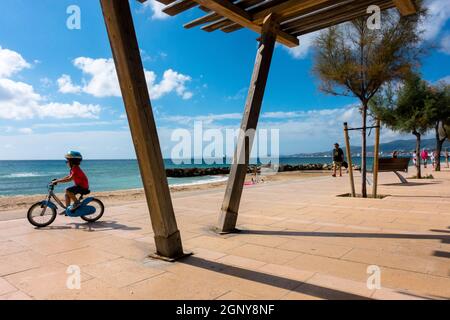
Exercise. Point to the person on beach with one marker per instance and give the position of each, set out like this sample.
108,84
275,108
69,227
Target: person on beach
338,159
424,156
414,158
433,158
81,182
395,154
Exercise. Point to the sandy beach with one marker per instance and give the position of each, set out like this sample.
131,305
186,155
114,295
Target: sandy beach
128,196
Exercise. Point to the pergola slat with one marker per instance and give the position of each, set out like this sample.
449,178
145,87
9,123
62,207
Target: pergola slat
244,4
242,17
330,14
344,17
179,6
234,27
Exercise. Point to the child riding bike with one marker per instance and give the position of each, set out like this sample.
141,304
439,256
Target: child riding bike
73,160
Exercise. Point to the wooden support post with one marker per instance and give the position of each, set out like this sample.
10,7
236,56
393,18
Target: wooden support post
349,160
376,159
130,71
231,202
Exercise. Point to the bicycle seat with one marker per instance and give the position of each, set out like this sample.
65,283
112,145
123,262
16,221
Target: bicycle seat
84,194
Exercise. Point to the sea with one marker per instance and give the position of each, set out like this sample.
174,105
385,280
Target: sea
25,177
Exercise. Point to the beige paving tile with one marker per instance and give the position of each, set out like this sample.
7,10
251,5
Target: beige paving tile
235,295
84,256
264,254
121,272
315,248
16,295
171,286
398,261
241,262
6,287
8,247
39,283
20,261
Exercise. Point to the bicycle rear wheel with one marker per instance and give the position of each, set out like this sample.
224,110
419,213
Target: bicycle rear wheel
40,215
99,211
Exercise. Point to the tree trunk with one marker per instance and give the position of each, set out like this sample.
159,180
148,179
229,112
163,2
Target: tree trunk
364,152
439,144
418,161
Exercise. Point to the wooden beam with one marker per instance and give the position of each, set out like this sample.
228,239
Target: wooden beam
406,7
242,17
287,9
376,157
349,160
130,71
232,199
244,4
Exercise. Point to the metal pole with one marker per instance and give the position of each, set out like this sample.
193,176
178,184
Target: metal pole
376,159
349,159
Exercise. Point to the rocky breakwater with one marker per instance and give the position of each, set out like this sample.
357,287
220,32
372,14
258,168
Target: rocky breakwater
216,171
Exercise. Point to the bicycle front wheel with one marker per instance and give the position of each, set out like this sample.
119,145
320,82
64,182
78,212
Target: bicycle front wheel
40,215
99,210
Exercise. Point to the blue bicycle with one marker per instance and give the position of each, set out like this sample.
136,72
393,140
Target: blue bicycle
43,213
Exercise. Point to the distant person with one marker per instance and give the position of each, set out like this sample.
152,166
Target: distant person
424,156
395,155
415,158
433,158
81,182
338,159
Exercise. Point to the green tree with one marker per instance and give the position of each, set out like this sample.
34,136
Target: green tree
406,111
438,107
353,60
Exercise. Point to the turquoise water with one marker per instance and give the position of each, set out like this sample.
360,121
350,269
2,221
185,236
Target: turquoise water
32,177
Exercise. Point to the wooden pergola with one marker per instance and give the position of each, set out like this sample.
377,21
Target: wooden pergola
280,21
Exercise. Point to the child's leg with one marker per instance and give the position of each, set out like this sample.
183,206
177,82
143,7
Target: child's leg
70,196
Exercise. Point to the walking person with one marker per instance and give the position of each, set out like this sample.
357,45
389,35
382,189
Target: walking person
433,159
414,158
424,156
338,159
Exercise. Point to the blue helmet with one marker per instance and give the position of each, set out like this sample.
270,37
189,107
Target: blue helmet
73,155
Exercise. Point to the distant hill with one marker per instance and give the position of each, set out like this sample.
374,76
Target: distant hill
406,146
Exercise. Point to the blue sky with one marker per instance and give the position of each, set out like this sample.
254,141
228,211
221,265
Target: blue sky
58,88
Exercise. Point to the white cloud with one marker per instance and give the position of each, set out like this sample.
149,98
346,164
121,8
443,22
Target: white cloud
11,62
438,14
66,86
103,80
156,7
19,101
306,44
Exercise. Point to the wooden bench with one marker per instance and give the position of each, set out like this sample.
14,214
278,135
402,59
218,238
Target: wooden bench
395,165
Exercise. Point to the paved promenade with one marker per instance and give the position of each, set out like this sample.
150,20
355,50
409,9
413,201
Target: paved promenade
298,241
